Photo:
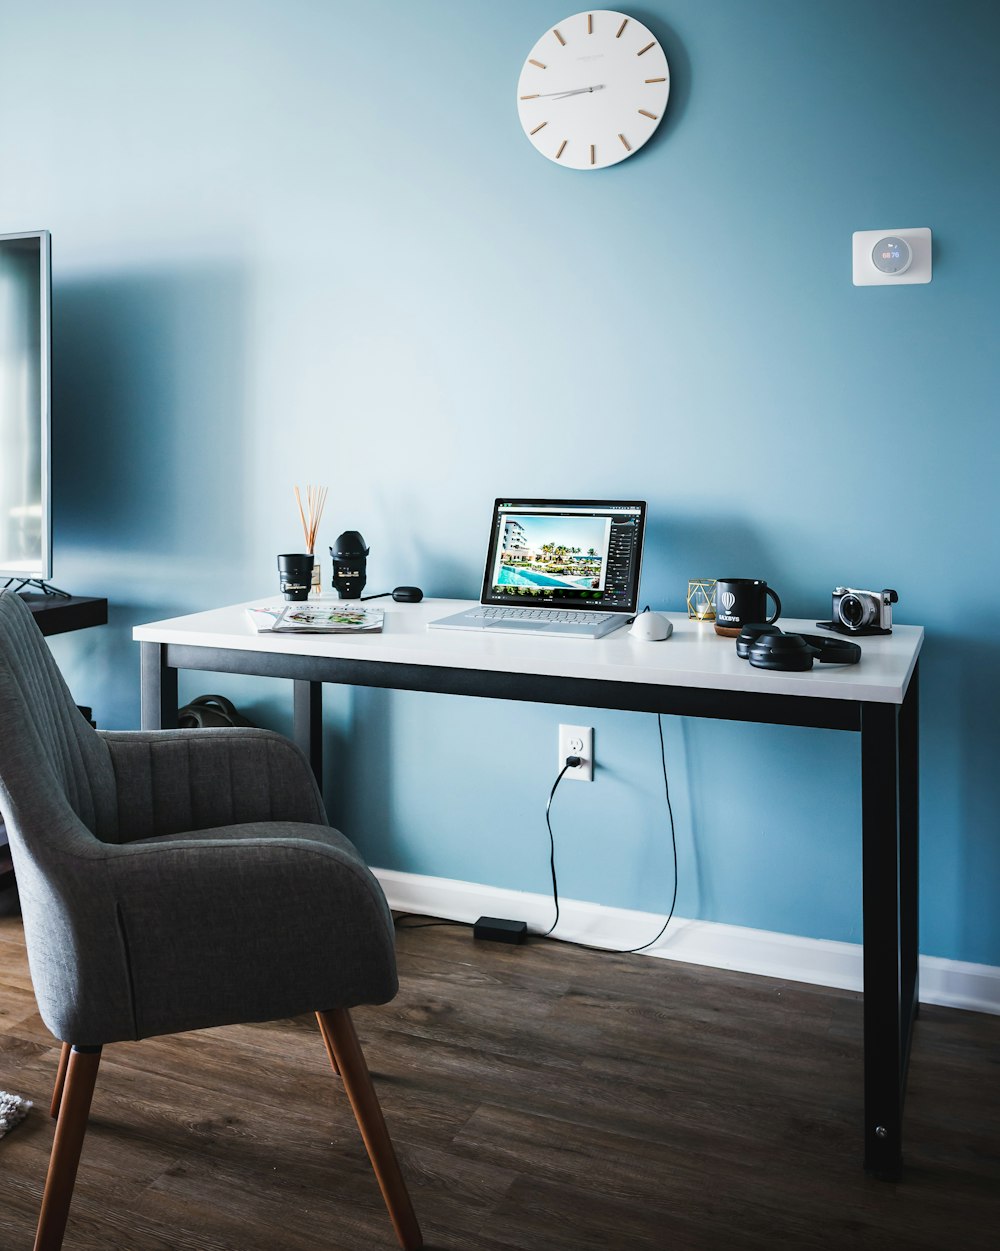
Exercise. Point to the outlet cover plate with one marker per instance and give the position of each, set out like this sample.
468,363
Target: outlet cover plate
577,740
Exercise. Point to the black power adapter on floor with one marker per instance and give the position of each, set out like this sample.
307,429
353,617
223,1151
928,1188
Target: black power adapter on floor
497,930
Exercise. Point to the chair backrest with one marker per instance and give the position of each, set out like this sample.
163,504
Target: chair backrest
57,792
49,754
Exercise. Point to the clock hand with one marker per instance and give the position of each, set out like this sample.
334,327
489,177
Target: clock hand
577,91
561,95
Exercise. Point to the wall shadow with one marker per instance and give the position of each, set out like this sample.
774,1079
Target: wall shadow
148,411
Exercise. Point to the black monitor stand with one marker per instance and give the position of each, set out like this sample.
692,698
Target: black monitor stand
44,588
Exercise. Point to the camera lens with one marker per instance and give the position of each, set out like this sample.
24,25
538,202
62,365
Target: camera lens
854,613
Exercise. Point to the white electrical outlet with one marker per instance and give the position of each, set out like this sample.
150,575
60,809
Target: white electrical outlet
577,740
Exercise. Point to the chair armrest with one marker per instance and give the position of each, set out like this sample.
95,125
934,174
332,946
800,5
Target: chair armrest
169,781
262,922
221,931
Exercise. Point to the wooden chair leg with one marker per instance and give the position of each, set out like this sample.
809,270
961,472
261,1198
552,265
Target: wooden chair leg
74,1108
57,1089
340,1038
325,1034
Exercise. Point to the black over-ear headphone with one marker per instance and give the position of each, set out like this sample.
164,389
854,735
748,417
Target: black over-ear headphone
767,647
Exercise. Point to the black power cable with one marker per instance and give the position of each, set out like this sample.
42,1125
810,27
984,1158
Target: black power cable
423,925
573,762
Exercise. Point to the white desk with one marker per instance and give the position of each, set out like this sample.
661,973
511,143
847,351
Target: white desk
694,673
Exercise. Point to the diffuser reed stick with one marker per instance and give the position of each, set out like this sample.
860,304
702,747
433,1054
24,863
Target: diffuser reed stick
312,514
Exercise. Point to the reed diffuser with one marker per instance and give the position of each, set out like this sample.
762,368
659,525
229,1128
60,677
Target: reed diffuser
311,516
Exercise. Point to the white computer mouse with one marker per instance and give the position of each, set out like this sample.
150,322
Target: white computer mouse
651,627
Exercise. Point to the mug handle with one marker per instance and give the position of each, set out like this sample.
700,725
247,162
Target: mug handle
777,605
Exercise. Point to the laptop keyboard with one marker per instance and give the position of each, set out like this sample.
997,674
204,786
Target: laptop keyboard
540,614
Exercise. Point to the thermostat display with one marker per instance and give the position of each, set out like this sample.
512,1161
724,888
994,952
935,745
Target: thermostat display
892,255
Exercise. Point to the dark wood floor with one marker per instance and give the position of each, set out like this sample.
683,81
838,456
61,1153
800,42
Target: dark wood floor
542,1098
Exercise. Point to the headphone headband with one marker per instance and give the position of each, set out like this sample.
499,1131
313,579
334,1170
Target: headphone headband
834,651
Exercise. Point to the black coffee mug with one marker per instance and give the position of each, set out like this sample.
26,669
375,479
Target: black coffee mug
295,569
743,601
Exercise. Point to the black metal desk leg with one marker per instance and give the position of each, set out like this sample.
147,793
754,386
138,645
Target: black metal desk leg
880,865
157,689
909,863
308,723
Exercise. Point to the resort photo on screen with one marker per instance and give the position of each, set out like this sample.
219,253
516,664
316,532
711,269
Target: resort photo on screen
545,550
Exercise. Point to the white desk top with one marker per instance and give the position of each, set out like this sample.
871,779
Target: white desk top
694,656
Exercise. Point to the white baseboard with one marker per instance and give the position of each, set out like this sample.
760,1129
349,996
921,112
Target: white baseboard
952,983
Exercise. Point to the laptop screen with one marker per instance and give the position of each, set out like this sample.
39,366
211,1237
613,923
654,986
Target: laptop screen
566,554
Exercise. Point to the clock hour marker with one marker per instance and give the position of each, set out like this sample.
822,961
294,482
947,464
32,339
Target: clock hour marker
655,80
628,146
650,115
651,44
562,147
559,37
531,61
593,151
537,128
621,28
590,23
534,97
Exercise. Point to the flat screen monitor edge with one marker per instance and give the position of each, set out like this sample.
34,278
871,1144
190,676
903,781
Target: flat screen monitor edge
25,406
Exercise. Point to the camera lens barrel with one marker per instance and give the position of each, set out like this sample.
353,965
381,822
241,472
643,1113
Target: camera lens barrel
854,612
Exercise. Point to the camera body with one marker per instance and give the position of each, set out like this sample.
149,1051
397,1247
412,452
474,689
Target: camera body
863,612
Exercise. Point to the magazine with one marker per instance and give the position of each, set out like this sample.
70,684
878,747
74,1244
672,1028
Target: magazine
305,618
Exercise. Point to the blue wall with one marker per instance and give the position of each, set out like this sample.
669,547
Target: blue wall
308,242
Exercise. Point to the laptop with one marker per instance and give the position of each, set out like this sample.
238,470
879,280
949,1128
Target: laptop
561,567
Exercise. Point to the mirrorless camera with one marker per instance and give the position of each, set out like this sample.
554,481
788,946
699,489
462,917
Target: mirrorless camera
860,612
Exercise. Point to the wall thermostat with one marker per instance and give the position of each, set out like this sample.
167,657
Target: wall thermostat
884,257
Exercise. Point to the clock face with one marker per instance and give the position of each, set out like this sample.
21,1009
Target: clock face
593,89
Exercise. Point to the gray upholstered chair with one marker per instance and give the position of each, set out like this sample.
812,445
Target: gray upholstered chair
176,880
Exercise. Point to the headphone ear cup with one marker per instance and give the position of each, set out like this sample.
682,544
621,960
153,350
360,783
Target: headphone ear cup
749,635
789,652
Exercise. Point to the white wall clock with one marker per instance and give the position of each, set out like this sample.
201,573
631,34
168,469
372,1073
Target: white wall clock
593,89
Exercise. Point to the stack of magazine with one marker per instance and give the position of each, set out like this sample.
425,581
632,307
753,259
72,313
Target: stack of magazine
306,618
